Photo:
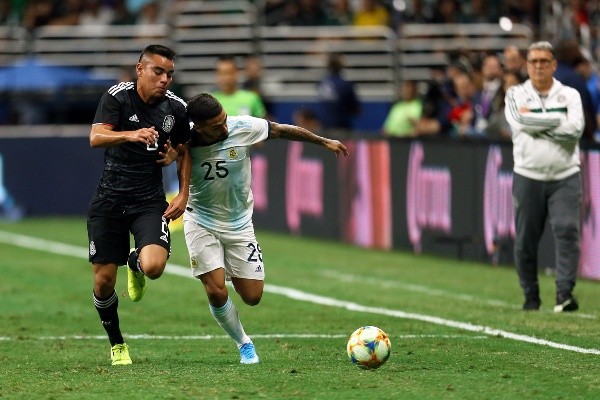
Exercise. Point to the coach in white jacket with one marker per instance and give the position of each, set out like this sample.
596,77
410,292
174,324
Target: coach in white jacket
546,119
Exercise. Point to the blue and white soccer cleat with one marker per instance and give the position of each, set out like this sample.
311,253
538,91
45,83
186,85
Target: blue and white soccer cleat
248,354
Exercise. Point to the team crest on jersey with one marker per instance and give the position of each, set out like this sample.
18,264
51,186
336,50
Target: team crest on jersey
561,99
168,123
233,153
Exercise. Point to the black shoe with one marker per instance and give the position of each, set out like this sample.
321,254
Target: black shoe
565,302
132,260
532,304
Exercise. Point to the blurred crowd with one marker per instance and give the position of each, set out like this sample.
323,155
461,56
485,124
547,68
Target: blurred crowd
394,13
466,99
33,14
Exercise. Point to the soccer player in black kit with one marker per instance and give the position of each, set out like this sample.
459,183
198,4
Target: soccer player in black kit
135,122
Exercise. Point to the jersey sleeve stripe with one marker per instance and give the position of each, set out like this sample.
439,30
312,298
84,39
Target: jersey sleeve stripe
120,86
172,95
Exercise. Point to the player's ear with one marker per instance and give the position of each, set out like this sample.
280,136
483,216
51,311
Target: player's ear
138,69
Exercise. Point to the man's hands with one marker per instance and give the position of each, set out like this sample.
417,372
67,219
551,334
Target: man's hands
177,207
336,146
148,136
171,153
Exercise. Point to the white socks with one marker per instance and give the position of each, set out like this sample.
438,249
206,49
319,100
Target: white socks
227,317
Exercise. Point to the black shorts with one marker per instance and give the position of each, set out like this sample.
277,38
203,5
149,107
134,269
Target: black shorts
109,226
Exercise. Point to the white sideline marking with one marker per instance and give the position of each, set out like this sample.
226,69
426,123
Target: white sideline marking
351,278
79,252
212,337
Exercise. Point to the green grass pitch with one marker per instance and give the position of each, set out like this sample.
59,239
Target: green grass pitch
456,328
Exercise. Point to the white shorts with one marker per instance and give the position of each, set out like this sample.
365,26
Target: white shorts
237,252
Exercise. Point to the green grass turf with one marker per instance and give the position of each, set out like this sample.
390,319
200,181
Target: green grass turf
45,304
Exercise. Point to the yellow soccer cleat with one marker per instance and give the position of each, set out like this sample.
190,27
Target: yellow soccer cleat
119,354
136,280
136,285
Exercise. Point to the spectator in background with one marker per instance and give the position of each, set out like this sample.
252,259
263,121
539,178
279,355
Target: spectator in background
546,119
38,13
568,55
274,11
121,14
447,12
67,13
8,15
438,101
404,114
338,102
481,11
96,12
498,128
235,101
523,11
417,11
253,81
340,13
306,13
588,70
514,61
464,115
490,97
372,13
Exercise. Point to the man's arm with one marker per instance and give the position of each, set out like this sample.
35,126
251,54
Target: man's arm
571,126
103,135
522,119
293,132
184,167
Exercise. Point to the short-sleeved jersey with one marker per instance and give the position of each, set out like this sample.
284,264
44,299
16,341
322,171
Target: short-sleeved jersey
220,193
131,175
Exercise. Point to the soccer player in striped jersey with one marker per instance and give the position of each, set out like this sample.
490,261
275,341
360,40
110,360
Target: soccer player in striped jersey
218,220
135,122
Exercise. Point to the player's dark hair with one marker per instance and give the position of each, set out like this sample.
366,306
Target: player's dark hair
203,107
158,49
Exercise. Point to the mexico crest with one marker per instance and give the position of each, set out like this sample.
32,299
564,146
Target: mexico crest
168,123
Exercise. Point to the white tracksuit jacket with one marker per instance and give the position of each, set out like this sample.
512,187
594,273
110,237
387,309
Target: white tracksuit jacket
546,139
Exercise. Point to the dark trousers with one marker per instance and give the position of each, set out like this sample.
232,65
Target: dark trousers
559,201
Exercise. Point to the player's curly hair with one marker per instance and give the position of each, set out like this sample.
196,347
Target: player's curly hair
203,107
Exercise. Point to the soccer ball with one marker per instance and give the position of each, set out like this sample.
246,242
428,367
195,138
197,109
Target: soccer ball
369,347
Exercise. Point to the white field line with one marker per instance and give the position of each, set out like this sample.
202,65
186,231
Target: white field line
225,337
79,252
383,283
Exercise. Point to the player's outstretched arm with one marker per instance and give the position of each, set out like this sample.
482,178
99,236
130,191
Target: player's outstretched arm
293,132
103,135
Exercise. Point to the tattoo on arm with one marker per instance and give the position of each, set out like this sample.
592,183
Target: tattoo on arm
292,132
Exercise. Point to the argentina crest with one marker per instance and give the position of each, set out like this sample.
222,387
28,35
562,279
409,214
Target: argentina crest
168,123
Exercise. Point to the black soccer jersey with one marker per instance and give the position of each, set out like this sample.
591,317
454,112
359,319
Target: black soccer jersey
131,175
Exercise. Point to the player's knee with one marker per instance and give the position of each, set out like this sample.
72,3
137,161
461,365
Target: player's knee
217,294
253,299
104,285
154,272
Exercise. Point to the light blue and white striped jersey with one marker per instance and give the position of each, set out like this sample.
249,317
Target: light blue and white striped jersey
220,193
